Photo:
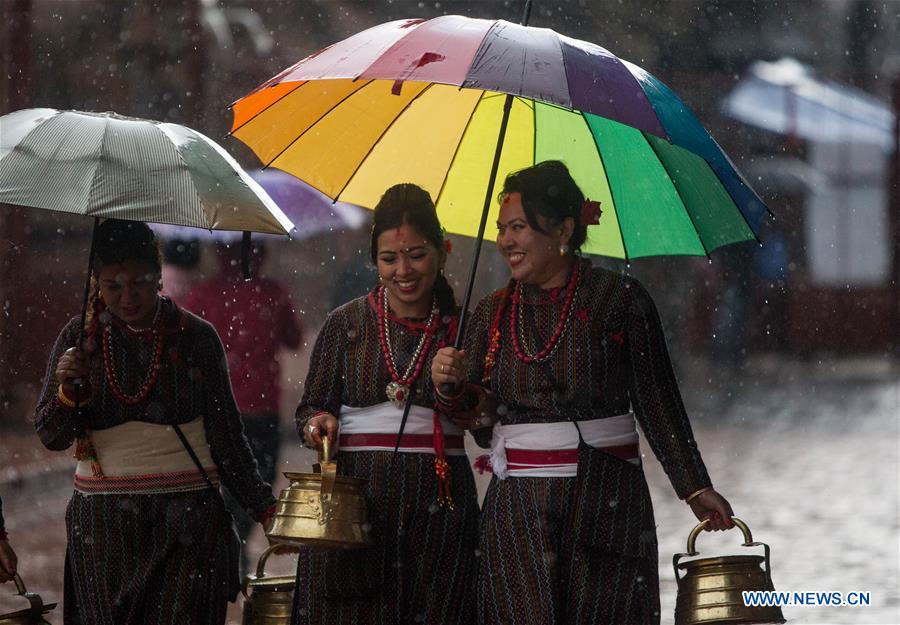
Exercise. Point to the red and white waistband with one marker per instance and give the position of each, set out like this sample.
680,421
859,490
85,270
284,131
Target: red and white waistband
374,428
551,449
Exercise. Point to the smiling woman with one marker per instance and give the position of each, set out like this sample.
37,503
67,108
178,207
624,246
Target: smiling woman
576,358
370,359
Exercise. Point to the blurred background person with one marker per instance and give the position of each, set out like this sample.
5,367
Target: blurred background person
181,258
255,319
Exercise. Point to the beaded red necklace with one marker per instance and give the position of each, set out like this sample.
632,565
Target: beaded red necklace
152,372
516,321
513,294
397,389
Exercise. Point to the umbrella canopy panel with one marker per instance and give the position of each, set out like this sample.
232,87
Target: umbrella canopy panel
421,101
105,165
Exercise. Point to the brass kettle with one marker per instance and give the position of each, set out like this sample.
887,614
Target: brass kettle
322,509
267,599
710,589
34,614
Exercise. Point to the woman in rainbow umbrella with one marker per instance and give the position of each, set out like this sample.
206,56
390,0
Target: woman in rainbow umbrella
369,372
575,356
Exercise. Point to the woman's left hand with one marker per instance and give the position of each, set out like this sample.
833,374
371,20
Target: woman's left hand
713,506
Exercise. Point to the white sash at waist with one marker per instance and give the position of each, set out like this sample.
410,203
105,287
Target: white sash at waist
144,457
384,418
562,435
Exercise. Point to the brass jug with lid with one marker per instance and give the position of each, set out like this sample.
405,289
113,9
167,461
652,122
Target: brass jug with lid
322,509
267,599
34,614
710,591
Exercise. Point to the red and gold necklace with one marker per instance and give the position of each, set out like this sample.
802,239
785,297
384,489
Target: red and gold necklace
397,390
513,293
517,320
152,372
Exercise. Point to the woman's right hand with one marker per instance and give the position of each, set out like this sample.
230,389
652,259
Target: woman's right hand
71,368
312,431
448,367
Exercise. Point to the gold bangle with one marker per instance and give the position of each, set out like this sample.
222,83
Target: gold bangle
451,398
697,493
63,398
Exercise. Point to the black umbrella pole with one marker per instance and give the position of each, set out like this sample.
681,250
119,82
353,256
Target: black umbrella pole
84,304
448,389
526,14
87,283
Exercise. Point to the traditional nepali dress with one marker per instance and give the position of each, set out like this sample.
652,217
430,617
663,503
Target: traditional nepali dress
420,566
152,545
541,565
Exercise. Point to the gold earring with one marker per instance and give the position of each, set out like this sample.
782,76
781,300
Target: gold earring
563,249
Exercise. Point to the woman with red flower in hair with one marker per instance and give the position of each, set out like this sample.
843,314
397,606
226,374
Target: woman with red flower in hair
575,357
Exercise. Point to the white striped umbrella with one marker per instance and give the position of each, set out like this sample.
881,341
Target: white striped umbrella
104,165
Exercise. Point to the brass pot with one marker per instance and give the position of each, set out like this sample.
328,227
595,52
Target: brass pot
34,614
267,600
322,509
710,589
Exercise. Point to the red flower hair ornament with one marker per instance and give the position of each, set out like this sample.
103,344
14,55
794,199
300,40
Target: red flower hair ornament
590,213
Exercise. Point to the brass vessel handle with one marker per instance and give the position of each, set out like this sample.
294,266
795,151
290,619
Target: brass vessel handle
260,568
692,538
329,473
37,604
20,585
748,542
326,449
261,565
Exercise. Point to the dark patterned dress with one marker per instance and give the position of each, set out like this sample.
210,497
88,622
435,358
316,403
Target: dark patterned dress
537,567
154,559
421,564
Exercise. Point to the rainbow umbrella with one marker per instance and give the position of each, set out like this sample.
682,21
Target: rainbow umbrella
454,104
422,101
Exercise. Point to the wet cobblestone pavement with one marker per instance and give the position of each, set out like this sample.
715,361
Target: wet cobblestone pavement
807,453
